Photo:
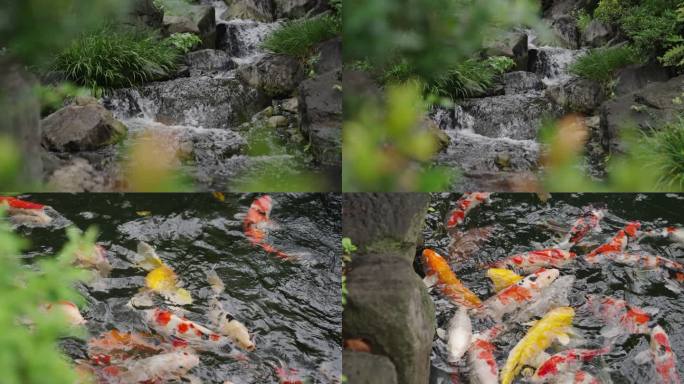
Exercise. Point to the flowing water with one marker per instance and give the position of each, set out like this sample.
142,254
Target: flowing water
520,222
293,308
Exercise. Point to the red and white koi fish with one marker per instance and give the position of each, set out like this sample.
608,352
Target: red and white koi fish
483,367
618,243
583,377
254,224
663,357
618,313
25,212
589,221
673,234
559,364
533,260
644,261
68,309
288,375
464,205
513,297
156,369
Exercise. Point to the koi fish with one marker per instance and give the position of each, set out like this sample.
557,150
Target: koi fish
93,259
559,364
164,367
25,212
464,205
458,339
287,376
513,297
483,367
502,278
224,321
618,313
553,296
554,325
530,261
114,347
437,268
464,244
589,221
663,357
673,234
163,280
253,225
68,309
645,261
618,243
147,257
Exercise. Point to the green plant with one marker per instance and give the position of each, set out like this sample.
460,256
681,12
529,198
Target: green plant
298,38
667,154
110,58
583,19
184,42
30,355
52,97
470,78
600,64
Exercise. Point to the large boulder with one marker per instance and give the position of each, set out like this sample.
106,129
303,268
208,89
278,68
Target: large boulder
597,33
197,19
329,55
295,9
275,75
637,76
565,29
20,120
577,95
522,81
241,38
320,112
647,108
81,128
388,305
207,61
259,10
366,368
145,13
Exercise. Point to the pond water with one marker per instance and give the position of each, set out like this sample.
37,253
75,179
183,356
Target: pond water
520,223
292,307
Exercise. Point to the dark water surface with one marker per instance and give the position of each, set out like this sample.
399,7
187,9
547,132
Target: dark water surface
293,308
519,223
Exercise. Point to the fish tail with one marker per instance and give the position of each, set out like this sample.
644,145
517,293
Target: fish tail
271,249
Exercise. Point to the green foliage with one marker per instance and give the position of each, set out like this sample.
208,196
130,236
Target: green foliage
600,64
184,42
52,97
675,54
583,19
470,78
112,58
347,246
386,148
667,155
297,38
30,355
10,163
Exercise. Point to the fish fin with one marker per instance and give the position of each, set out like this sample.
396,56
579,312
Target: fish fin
643,357
563,338
180,297
430,280
441,333
150,260
502,278
215,282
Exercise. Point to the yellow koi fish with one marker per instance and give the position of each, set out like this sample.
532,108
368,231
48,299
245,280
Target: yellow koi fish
502,278
554,325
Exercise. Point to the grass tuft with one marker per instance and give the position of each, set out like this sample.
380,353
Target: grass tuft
297,38
668,151
601,64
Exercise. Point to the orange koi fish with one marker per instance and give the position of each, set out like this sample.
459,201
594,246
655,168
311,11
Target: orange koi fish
437,268
530,261
25,211
256,219
464,205
618,243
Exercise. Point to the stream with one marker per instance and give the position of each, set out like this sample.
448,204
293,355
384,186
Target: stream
520,223
291,307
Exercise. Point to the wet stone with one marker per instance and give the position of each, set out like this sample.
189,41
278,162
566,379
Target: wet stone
366,368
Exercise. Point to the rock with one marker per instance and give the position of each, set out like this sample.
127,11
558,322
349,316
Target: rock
577,95
277,121
259,10
242,38
198,101
384,221
650,107
637,76
275,75
329,55
78,176
295,9
522,81
145,13
442,138
20,120
81,128
565,28
555,8
290,105
597,33
197,19
320,112
366,368
208,60
388,305
513,45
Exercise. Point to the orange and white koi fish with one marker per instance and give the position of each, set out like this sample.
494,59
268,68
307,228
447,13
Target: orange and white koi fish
533,260
618,243
513,297
618,313
438,269
464,205
25,212
589,221
93,259
483,367
663,357
561,363
257,218
224,321
583,377
156,369
644,261
68,309
115,347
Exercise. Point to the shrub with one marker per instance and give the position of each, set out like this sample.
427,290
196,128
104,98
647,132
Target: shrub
583,19
297,38
112,58
184,42
600,64
470,78
667,154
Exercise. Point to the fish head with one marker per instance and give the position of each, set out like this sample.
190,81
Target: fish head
660,343
632,228
544,277
547,369
182,362
263,205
